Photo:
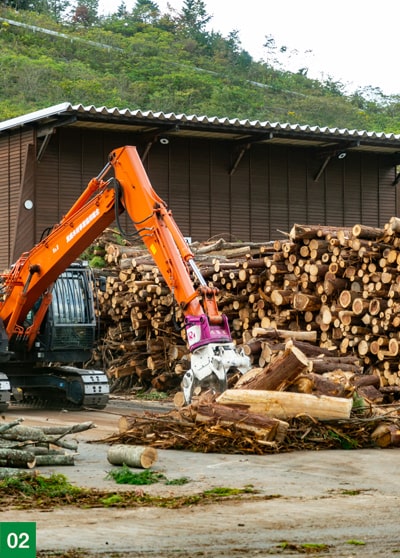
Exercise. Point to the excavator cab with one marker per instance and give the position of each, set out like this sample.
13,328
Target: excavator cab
52,372
69,330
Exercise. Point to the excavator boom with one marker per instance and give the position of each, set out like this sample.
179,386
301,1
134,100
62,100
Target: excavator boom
31,279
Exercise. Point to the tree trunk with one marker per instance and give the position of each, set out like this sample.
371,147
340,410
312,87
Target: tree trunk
132,456
267,428
284,405
55,459
17,458
280,372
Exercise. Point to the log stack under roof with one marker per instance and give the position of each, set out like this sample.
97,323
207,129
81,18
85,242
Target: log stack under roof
334,289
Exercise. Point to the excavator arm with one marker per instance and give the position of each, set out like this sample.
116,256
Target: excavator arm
213,353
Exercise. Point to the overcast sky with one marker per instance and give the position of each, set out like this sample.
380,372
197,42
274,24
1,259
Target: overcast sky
355,42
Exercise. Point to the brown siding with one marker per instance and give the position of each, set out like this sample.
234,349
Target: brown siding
387,193
332,183
272,187
4,203
199,191
48,206
13,151
279,188
220,210
25,217
260,204
297,186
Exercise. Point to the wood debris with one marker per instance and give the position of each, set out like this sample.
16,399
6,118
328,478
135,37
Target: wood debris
27,447
332,292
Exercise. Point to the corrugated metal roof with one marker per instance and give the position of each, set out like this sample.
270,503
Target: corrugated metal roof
209,126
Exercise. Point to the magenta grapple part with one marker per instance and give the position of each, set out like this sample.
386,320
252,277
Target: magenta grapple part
200,332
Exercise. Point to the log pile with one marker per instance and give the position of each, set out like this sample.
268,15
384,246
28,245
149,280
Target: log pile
249,418
318,315
27,447
210,426
335,288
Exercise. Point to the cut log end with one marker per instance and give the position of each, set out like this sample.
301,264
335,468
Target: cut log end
141,457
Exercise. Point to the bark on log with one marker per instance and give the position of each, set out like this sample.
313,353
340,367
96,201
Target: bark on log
267,428
318,385
285,334
9,425
55,459
132,456
285,405
386,435
280,372
17,458
37,434
7,472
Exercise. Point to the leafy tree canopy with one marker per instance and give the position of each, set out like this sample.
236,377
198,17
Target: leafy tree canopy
64,50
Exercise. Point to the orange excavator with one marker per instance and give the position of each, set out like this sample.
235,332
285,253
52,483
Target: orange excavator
47,312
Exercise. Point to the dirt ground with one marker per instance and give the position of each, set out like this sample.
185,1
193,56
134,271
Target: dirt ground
346,500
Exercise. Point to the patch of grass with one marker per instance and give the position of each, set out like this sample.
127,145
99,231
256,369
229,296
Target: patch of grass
112,500
97,262
124,475
355,542
152,395
55,486
344,441
178,482
225,491
304,548
37,492
355,492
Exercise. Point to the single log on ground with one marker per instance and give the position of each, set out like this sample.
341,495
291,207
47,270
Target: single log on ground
64,430
55,459
67,444
386,434
132,456
17,458
371,394
24,433
362,231
42,434
327,364
285,405
267,428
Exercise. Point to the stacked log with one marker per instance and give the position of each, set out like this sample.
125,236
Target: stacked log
338,286
27,447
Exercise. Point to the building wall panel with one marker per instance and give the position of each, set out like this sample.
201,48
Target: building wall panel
199,191
334,193
260,203
279,191
352,190
220,210
13,151
297,185
271,188
239,198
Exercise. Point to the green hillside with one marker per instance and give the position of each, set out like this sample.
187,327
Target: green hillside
148,60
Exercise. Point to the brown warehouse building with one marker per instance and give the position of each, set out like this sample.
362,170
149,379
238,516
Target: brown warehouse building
239,179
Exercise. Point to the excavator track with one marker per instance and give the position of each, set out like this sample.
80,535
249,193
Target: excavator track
63,387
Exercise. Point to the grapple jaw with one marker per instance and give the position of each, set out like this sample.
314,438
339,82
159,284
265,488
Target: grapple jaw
210,365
